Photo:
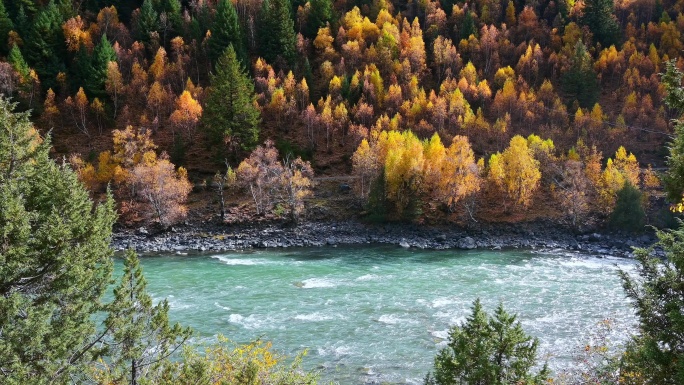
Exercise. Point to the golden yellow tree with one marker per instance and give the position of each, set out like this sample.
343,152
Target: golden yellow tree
622,169
131,145
516,171
187,114
403,167
296,183
433,167
461,175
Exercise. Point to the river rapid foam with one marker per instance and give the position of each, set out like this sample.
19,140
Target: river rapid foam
369,315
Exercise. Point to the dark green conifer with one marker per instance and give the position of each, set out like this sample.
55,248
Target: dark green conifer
6,26
79,70
321,13
199,23
599,16
579,82
657,10
140,337
148,22
97,75
656,355
173,10
16,60
22,23
45,47
55,259
491,350
628,213
467,26
674,176
276,33
230,112
18,7
225,31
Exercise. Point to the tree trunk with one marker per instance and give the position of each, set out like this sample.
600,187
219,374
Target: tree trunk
134,373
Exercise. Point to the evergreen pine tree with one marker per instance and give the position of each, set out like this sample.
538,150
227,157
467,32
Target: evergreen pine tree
201,22
226,31
467,26
656,355
599,16
173,10
97,74
148,21
16,60
321,14
79,70
230,112
674,176
657,10
140,337
6,26
55,259
21,22
18,7
628,213
447,5
45,46
377,199
488,350
580,81
276,33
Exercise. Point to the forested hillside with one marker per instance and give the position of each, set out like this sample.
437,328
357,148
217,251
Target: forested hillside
487,109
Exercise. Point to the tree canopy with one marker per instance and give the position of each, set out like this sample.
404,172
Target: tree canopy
488,350
230,113
55,259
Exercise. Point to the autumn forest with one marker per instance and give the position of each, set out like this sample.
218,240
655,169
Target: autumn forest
433,111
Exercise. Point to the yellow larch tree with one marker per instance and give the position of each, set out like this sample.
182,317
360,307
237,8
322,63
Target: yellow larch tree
403,167
516,171
460,173
612,180
627,164
114,84
433,167
50,109
366,166
187,114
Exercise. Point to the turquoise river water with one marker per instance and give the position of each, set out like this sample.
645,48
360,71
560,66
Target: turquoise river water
380,314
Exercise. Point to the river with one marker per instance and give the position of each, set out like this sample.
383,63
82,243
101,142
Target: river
380,314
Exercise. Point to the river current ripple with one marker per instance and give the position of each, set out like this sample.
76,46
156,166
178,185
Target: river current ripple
370,315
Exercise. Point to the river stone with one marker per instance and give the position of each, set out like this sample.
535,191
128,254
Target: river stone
404,244
466,243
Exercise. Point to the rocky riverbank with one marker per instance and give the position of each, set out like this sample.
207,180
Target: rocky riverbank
213,238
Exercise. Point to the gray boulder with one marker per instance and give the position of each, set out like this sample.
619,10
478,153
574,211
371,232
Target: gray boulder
466,243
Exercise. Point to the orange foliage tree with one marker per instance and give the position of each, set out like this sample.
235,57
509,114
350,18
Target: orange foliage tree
161,188
271,182
148,187
187,114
